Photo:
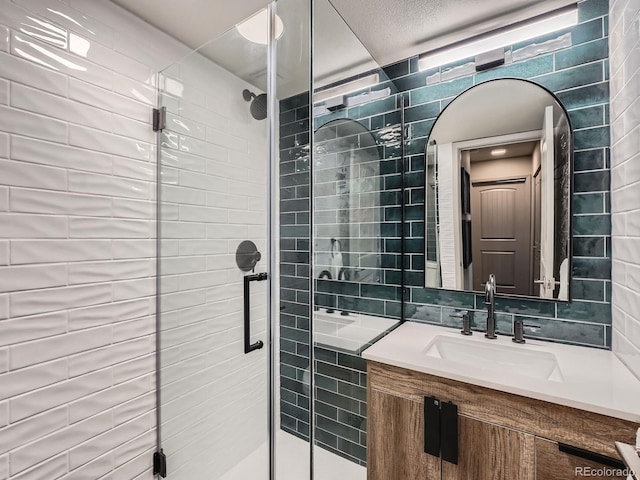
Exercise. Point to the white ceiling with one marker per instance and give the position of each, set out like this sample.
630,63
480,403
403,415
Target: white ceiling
193,22
397,29
249,60
347,41
513,150
197,23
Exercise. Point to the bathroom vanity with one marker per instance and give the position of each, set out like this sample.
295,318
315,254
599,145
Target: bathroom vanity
536,411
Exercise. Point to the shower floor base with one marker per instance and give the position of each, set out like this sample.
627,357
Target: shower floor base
292,463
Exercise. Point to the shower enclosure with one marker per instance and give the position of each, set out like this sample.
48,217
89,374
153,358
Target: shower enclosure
271,207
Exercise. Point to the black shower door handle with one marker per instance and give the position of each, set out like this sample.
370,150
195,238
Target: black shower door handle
248,346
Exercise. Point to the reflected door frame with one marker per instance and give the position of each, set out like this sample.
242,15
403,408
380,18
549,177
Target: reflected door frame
452,152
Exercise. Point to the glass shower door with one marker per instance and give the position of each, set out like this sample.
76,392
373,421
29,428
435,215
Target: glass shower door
223,402
213,209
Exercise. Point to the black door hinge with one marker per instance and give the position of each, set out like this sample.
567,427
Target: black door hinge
160,464
159,119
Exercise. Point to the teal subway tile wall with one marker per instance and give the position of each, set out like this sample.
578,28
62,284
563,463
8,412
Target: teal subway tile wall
573,64
294,265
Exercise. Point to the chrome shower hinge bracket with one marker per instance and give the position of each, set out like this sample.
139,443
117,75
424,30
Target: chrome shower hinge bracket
159,119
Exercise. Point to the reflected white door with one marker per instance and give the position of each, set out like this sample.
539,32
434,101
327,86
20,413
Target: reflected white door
546,280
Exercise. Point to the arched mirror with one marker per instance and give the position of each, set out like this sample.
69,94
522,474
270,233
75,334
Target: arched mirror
347,209
498,192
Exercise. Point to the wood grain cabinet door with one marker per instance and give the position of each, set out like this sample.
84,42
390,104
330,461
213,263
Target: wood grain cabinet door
395,437
552,464
491,452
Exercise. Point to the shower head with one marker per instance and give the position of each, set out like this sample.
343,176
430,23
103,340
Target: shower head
258,105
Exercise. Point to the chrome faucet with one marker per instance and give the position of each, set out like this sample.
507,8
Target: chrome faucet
490,302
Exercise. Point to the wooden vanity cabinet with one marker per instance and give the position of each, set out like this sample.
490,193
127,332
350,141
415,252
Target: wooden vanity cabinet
500,436
553,464
399,439
490,452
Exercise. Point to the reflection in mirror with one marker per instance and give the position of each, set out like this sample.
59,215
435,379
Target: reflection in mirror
498,189
347,203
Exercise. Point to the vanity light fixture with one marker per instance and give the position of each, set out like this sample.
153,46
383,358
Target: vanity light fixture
256,28
498,152
348,87
502,37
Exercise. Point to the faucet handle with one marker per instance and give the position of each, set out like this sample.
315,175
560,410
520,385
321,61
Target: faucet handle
466,321
518,330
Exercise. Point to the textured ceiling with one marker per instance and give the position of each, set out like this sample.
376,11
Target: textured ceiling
348,40
397,29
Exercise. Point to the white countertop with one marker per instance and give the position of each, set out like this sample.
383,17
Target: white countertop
591,379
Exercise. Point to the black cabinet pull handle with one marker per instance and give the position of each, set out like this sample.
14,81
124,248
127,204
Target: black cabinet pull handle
432,426
248,346
591,456
449,432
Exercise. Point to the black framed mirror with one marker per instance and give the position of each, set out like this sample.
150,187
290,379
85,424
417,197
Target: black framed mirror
498,168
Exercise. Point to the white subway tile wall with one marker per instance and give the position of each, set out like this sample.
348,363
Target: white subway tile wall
625,178
77,239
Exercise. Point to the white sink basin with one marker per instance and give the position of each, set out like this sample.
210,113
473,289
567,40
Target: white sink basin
591,379
490,355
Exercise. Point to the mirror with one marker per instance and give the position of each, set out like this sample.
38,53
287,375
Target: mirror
498,167
347,209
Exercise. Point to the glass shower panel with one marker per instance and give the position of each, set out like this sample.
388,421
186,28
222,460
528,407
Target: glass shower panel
291,321
356,231
212,195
